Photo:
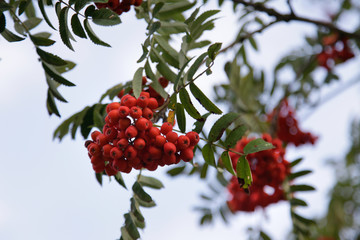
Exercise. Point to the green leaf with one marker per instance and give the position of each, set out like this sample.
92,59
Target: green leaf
220,126
98,177
144,203
11,37
4,6
63,28
80,4
302,219
208,154
206,219
301,188
298,174
188,105
200,124
159,89
50,104
95,39
176,171
253,43
180,117
130,227
298,202
105,17
243,171
137,82
125,235
62,69
234,136
89,11
296,162
154,27
264,236
157,8
120,180
56,76
23,5
177,82
40,41
76,26
43,12
2,22
213,50
192,70
225,158
204,169
143,56
192,16
150,182
170,9
139,192
50,58
53,88
257,145
87,122
204,100
172,53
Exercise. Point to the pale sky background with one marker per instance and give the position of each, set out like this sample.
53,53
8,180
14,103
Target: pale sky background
48,189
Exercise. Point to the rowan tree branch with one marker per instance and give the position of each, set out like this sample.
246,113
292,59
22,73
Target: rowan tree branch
293,17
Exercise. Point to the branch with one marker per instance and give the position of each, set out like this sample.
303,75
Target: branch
293,17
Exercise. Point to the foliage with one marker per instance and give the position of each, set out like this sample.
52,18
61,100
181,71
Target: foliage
255,100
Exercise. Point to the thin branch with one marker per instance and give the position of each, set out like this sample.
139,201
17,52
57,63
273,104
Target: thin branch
293,17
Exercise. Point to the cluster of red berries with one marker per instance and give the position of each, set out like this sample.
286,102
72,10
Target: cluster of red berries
269,170
119,6
287,129
129,139
335,50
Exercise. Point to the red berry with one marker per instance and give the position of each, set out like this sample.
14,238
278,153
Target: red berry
187,154
116,153
147,113
152,103
171,137
193,137
166,127
106,150
94,149
163,81
142,101
101,139
159,141
87,143
124,111
183,142
94,135
135,112
111,134
153,132
99,168
109,170
121,93
122,143
146,94
131,132
137,3
97,160
114,116
144,80
169,148
155,153
120,164
139,143
130,152
112,106
124,123
130,101
142,124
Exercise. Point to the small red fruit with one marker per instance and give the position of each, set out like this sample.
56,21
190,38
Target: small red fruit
166,127
142,124
171,137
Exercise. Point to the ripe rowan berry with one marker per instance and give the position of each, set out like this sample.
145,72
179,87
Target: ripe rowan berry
194,138
123,111
116,153
121,93
183,142
129,101
146,94
111,134
119,164
139,143
124,123
122,143
87,143
109,170
94,149
131,132
106,150
99,168
160,101
153,132
170,159
152,103
142,124
166,127
159,141
135,112
152,166
147,113
163,81
155,153
114,116
121,134
94,135
96,160
101,139
130,152
144,79
172,137
169,148
142,101
112,106
187,154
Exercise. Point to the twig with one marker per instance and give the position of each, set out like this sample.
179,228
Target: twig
293,17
